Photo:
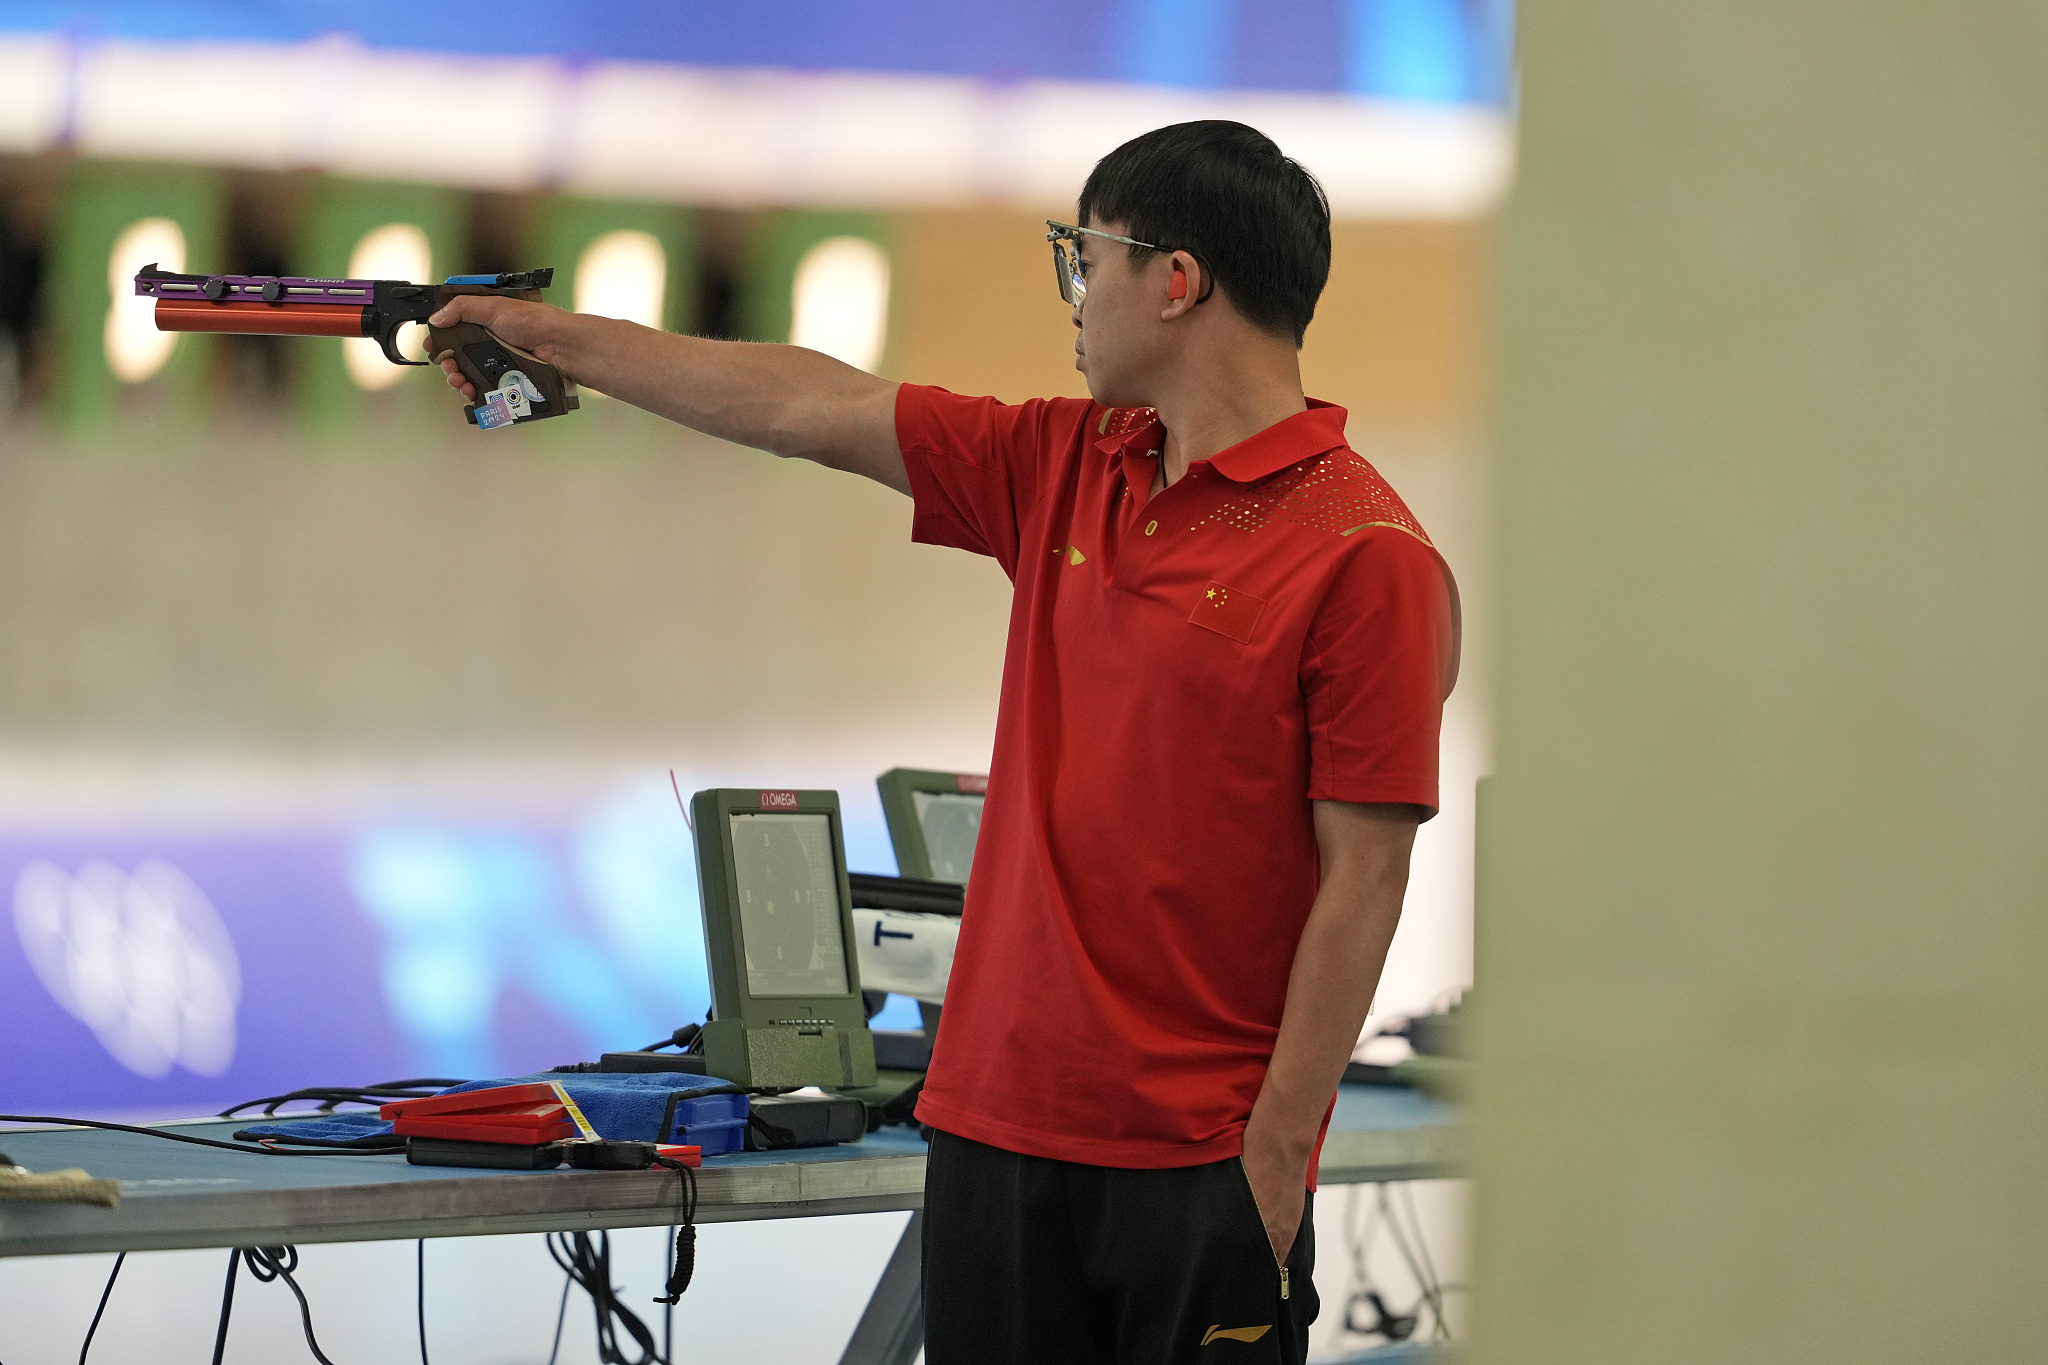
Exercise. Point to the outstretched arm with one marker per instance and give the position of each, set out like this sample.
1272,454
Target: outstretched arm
782,399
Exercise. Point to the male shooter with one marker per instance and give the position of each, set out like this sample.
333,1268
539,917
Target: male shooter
1229,647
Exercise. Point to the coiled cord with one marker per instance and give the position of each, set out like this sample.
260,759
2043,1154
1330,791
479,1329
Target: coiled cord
265,1264
588,1262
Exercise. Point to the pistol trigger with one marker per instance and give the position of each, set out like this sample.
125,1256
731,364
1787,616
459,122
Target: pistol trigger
388,341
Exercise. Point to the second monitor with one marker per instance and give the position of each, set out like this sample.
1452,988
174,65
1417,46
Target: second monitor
934,820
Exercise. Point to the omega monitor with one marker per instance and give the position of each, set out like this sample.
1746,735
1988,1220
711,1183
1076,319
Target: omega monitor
934,820
778,933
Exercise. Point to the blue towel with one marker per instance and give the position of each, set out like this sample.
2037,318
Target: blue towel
624,1106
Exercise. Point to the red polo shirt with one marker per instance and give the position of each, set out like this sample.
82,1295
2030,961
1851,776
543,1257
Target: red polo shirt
1185,675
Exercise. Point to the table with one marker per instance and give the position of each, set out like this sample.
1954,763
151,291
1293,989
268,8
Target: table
175,1195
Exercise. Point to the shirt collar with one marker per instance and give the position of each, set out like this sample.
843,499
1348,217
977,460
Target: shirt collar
1319,429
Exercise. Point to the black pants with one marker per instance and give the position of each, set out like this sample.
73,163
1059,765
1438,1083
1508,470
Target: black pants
1029,1261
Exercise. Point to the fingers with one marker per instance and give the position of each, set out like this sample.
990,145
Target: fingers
477,308
454,375
462,308
516,322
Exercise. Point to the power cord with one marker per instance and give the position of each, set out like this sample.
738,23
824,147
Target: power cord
227,1305
561,1314
668,1310
265,1264
353,1147
1436,1286
1419,1267
331,1095
684,1038
1366,1312
588,1262
422,1299
682,1260
1383,1321
105,1294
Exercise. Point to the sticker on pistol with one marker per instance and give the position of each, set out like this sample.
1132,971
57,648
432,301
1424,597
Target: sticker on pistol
526,387
494,411
514,396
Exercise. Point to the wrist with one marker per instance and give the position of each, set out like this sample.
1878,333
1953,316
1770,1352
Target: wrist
1281,1140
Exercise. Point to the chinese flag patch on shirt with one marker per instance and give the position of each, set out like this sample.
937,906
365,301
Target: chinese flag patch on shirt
1227,611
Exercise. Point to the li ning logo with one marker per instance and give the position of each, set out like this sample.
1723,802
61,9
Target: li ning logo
1218,1332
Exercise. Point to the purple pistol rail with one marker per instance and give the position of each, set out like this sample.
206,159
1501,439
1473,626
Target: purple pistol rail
264,288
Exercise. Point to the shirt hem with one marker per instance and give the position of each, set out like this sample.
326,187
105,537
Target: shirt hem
1404,793
1136,1154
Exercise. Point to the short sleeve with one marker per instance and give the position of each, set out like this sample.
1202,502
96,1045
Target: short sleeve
976,465
1380,659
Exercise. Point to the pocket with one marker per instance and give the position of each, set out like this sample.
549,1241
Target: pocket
1251,1200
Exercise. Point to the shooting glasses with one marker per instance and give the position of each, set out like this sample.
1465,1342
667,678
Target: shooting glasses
1072,272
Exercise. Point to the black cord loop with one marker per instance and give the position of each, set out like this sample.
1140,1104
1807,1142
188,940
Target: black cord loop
588,1262
331,1095
349,1149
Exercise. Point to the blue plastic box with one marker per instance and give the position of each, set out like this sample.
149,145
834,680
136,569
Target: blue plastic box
715,1123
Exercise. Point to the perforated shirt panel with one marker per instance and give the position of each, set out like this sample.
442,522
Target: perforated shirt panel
1337,491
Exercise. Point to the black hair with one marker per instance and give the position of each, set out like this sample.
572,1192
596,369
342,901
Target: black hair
1223,192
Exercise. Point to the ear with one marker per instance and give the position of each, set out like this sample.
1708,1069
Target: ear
1184,286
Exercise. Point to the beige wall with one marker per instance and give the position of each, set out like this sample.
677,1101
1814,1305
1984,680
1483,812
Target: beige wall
1396,338
648,583
1762,950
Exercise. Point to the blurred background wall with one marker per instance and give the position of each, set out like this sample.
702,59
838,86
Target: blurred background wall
1763,1015
391,701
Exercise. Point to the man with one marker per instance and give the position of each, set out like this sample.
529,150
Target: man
1229,647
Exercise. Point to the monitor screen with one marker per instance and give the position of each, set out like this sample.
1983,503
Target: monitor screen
788,891
951,823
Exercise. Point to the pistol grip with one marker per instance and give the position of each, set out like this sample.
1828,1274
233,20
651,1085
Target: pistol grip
485,361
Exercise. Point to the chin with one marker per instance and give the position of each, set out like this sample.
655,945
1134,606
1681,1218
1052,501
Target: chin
1113,395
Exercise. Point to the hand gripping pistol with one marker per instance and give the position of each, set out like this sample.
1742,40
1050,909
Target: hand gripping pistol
511,386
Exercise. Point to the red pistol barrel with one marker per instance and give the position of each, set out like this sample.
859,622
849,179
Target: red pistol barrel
250,318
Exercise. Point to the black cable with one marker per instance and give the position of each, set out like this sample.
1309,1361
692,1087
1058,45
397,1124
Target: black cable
1384,1321
278,1263
683,1259
902,1107
105,1294
422,1300
774,1136
682,1038
561,1313
195,1141
330,1095
1423,1281
589,1264
227,1305
370,1144
668,1310
1436,1288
